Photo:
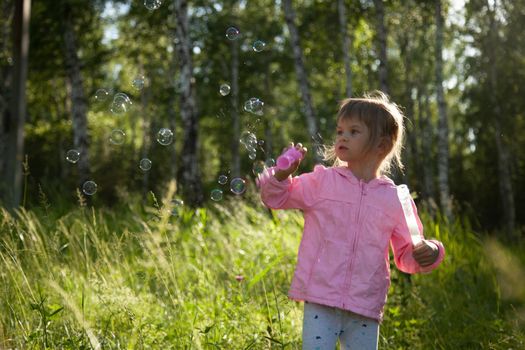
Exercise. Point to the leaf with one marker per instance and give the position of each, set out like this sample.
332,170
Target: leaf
250,345
207,329
262,273
273,340
56,311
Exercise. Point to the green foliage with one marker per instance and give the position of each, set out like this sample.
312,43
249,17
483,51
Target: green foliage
146,45
154,276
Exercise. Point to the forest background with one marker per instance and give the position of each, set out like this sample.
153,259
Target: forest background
457,75
455,67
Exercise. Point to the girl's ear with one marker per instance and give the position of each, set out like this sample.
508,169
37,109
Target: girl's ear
385,146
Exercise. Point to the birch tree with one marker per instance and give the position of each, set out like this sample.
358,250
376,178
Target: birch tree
6,72
191,177
425,125
16,110
504,173
405,39
382,45
346,45
300,70
443,146
77,95
236,160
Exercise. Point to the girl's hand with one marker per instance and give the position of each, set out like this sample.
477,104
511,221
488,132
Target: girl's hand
279,174
425,253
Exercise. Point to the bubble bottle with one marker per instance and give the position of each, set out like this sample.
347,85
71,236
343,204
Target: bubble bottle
286,159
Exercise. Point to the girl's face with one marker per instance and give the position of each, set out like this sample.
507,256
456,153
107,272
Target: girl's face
351,142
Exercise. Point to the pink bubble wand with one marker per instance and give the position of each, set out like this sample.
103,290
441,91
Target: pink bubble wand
286,159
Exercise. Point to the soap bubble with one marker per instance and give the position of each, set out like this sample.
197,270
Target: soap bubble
238,186
216,194
254,106
145,164
138,82
101,95
72,156
258,46
176,206
121,103
152,4
233,33
222,179
257,107
117,137
270,162
249,140
121,97
165,136
248,106
224,89
258,167
89,188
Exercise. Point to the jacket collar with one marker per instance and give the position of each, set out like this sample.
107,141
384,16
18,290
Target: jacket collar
382,180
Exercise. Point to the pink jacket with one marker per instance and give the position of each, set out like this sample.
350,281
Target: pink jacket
343,258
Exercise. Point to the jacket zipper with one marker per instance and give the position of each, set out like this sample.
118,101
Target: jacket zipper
354,243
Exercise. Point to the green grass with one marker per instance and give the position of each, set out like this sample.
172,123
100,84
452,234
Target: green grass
216,278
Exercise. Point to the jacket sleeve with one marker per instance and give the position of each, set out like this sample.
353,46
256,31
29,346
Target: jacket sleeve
298,192
401,243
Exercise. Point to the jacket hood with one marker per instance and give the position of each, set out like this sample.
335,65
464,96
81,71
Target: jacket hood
382,180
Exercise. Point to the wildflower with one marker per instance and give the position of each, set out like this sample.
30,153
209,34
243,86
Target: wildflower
239,278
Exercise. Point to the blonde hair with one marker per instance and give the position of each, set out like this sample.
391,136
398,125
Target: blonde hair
383,118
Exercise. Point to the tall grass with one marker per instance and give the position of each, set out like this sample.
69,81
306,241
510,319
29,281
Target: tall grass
216,278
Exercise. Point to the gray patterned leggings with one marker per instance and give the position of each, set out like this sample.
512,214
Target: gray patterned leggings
324,325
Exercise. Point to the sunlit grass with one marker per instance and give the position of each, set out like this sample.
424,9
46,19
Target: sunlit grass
217,277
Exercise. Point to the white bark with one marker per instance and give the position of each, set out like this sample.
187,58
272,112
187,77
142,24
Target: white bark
443,147
191,178
5,85
311,120
14,122
77,98
146,137
504,173
236,160
412,151
425,125
382,44
347,44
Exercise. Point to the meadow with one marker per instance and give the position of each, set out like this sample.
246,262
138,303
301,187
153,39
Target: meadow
153,276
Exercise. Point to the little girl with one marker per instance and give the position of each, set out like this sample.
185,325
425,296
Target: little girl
351,215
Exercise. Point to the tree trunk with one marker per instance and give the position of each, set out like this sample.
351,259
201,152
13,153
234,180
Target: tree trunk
16,111
191,178
347,44
425,125
311,120
382,42
268,135
6,72
61,113
443,147
146,137
77,97
508,217
172,115
236,160
172,110
412,154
